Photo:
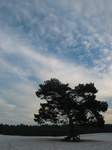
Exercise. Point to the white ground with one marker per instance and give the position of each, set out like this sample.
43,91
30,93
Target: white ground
102,141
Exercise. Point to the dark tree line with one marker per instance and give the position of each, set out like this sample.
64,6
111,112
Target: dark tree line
48,130
71,106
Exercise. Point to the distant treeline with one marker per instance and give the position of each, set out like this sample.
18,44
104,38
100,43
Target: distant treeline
48,130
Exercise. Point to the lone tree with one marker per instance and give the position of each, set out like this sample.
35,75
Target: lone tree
73,106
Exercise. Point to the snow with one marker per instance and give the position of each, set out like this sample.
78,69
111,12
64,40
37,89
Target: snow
99,141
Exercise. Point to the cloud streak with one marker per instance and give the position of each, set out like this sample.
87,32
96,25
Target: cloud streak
38,42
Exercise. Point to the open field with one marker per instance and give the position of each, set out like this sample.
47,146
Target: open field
99,141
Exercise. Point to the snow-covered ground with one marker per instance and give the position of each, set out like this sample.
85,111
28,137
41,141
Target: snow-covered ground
99,141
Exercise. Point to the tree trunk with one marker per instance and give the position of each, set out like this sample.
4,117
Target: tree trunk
71,128
73,136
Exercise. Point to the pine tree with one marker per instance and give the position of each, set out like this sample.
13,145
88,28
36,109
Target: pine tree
72,106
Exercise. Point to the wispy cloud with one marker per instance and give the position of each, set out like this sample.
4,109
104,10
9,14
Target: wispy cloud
38,42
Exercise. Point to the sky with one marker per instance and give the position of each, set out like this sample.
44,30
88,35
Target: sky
41,39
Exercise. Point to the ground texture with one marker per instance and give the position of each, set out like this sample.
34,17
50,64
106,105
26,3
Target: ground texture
100,141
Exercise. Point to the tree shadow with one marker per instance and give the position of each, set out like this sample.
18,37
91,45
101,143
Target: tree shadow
61,139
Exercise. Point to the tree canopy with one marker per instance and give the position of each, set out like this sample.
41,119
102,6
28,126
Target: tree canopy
63,104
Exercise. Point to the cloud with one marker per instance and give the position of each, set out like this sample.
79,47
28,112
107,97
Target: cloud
50,65
6,107
69,40
108,116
